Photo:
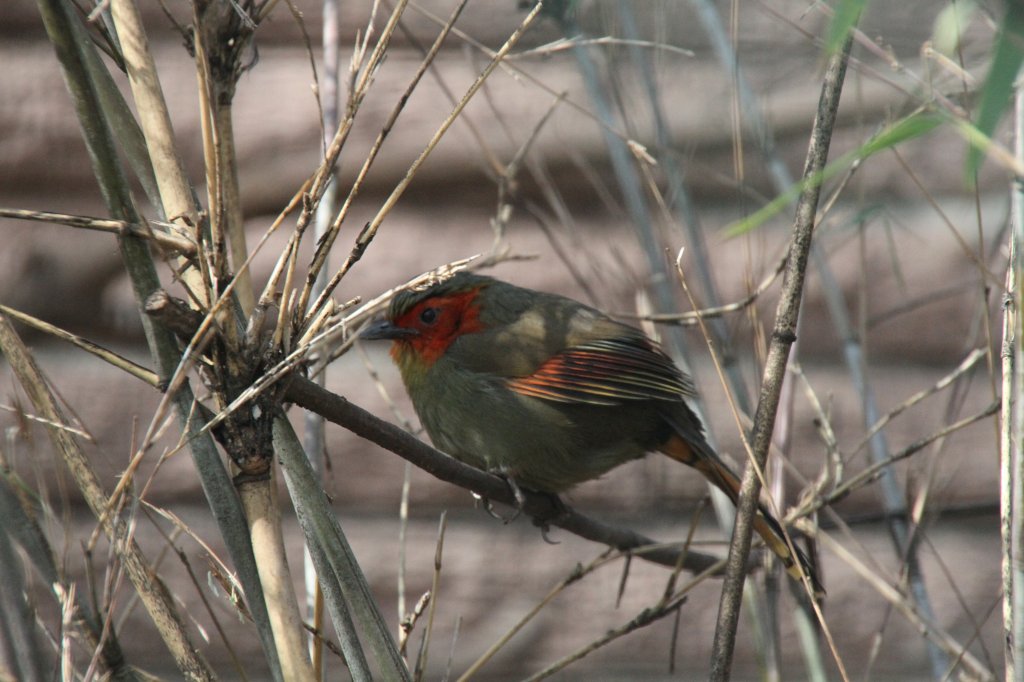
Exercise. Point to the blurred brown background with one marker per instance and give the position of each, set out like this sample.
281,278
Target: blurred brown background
908,270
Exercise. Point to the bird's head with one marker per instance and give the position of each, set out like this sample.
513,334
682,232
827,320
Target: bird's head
423,323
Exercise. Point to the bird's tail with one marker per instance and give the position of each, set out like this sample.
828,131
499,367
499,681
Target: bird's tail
701,457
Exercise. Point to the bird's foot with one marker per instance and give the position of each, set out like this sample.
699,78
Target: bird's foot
557,510
488,507
517,495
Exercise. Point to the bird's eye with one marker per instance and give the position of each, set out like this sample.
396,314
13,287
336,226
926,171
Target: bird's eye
428,316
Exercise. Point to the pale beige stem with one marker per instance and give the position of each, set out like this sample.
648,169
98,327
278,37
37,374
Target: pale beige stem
264,519
231,204
155,121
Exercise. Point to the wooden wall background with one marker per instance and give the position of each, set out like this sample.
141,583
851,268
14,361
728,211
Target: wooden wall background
907,273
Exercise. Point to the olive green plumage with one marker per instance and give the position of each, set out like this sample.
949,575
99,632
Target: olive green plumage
474,405
547,390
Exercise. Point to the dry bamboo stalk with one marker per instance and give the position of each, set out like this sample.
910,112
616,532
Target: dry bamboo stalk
151,590
263,514
155,121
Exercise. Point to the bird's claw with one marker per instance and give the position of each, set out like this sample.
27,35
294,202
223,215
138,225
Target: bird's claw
517,494
544,528
488,506
543,521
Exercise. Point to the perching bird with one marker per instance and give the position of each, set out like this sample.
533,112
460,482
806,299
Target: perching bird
546,390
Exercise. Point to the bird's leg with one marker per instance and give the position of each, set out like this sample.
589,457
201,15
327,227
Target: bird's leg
517,494
557,508
543,521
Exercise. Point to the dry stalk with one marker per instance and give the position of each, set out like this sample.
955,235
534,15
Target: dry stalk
693,317
932,631
174,243
517,72
367,234
326,242
264,517
576,575
874,470
314,437
175,190
783,336
666,606
435,586
363,69
1011,434
965,365
134,369
151,590
221,36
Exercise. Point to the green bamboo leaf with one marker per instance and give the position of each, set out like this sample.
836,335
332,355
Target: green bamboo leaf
950,24
912,126
845,18
1007,55
908,128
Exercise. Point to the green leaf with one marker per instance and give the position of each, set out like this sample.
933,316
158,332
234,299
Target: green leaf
1008,53
950,24
908,128
845,18
914,125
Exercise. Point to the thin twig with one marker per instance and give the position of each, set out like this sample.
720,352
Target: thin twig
108,356
577,574
563,44
927,628
668,605
693,317
316,271
151,590
435,585
871,473
966,365
369,231
783,336
172,242
362,71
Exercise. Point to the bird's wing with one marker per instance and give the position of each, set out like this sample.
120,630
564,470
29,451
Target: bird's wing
556,349
606,372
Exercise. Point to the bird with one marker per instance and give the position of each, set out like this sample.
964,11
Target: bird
547,391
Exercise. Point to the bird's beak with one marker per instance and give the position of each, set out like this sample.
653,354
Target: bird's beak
385,329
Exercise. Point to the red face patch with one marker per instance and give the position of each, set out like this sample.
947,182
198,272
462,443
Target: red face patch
439,321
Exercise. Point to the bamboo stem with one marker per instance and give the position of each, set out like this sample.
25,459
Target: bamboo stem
782,339
264,517
150,588
175,191
1012,418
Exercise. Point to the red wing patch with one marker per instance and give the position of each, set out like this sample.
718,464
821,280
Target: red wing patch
606,372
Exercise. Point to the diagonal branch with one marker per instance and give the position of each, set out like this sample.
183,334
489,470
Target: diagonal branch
175,316
543,508
783,336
